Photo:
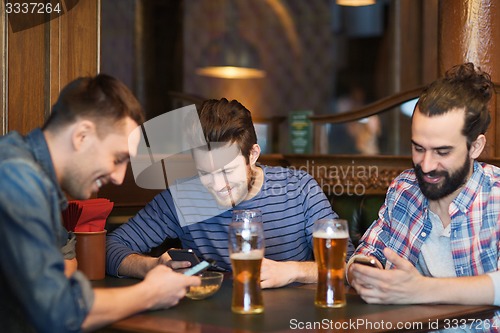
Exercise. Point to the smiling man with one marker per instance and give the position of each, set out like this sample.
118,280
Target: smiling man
438,231
82,145
226,156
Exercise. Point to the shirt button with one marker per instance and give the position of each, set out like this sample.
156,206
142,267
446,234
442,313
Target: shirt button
423,234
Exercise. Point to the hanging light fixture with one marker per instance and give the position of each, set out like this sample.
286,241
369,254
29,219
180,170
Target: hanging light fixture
230,56
355,3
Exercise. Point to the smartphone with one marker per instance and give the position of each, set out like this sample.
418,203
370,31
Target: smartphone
366,261
184,255
198,268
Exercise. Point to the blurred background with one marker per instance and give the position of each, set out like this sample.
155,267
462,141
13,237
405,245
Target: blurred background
314,57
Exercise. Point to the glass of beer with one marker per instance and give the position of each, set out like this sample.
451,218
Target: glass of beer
330,237
246,250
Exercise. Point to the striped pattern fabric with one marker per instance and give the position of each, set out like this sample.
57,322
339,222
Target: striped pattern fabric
290,201
404,223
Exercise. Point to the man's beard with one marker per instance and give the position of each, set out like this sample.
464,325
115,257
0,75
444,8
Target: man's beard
448,185
237,195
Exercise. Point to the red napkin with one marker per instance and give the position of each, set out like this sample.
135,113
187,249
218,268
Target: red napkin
87,215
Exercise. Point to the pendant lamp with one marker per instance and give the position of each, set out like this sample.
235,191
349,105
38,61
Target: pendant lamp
355,3
230,55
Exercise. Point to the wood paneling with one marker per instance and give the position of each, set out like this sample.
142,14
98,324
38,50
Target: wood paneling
79,41
470,32
3,75
26,65
429,41
37,61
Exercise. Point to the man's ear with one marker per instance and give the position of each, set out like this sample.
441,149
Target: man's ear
82,134
477,146
254,154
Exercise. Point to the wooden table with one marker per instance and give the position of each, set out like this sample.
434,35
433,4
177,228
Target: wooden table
292,309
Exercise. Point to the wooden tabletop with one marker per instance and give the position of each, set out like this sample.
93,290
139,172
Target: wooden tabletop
292,309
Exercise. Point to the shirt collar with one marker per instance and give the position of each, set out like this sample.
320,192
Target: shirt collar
470,190
38,144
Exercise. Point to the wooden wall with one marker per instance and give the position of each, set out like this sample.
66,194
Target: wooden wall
470,32
39,58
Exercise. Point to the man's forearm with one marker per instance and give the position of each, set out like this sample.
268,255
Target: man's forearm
472,290
137,266
307,272
105,310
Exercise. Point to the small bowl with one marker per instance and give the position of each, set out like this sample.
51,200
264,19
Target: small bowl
210,284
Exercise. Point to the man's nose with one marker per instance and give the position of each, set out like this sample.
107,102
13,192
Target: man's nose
428,162
118,174
219,181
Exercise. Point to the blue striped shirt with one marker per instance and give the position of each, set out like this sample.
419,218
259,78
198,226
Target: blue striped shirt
290,201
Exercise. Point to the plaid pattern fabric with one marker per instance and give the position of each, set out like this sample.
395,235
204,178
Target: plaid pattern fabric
404,224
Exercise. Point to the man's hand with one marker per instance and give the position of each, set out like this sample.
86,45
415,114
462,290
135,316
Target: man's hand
401,285
166,260
70,266
161,288
276,274
138,265
169,286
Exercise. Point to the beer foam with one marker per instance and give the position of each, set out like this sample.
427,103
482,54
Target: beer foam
251,255
331,234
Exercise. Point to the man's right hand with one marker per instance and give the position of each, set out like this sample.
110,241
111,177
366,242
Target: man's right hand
161,288
170,286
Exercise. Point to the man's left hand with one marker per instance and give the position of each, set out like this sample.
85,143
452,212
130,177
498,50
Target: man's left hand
165,259
70,266
275,274
401,285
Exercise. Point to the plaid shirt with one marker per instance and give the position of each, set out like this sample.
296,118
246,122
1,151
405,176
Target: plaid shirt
404,222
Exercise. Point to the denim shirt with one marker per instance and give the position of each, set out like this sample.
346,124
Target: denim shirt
35,295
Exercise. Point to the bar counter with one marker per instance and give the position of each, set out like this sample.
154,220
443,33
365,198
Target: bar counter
291,309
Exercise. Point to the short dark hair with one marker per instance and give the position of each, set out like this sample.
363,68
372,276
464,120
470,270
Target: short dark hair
102,99
228,121
463,87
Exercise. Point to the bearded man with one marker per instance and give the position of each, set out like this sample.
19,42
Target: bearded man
437,235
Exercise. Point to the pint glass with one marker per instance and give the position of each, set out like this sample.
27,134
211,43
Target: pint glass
330,237
246,250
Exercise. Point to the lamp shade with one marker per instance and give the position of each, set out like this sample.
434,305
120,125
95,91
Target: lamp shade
355,2
230,56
